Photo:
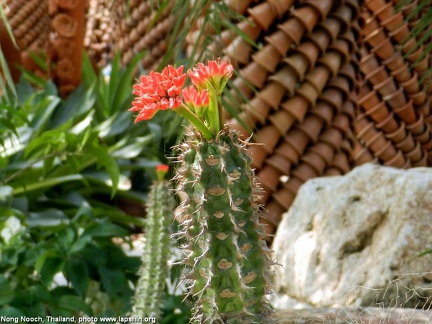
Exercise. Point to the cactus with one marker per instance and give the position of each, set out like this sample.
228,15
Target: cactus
228,259
154,270
226,252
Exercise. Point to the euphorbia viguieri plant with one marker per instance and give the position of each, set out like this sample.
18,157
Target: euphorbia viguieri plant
228,259
153,272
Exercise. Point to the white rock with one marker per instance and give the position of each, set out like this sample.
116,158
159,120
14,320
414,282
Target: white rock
353,240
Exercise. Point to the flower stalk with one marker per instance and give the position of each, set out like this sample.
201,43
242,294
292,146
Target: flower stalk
185,112
213,109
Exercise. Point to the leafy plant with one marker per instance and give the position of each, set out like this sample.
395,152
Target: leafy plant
68,186
63,267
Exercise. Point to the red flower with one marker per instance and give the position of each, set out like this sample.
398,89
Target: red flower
217,72
161,171
162,167
158,91
194,98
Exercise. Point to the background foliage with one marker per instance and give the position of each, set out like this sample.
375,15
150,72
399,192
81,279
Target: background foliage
73,172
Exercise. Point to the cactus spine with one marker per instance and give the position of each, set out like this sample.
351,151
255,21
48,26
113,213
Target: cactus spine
154,269
229,259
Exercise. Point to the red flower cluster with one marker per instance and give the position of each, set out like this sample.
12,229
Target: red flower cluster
162,91
158,91
213,72
194,98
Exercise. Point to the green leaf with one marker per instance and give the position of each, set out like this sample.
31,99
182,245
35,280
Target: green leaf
48,164
48,218
6,24
109,163
77,273
8,125
113,280
47,183
73,164
44,142
89,77
8,87
66,238
123,89
74,303
227,23
105,229
44,256
140,163
33,78
77,199
104,127
84,139
104,178
113,81
39,292
6,290
118,124
118,216
36,309
39,60
133,149
79,102
51,267
79,244
9,311
43,113
11,212
24,90
424,253
84,126
5,192
51,89
102,98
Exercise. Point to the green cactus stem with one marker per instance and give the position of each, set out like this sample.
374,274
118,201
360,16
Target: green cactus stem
229,260
154,270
